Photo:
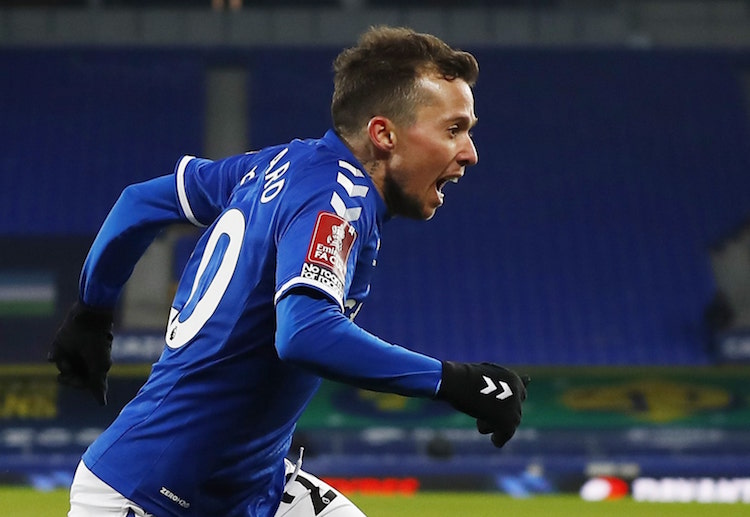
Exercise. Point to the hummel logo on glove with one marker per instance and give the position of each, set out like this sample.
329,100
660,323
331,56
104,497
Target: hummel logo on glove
488,392
492,388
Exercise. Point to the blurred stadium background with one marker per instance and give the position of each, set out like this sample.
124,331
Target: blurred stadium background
602,244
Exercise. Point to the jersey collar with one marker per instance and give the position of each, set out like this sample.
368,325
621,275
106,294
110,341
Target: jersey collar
332,140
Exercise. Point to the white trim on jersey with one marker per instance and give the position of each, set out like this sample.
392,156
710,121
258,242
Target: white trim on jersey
182,191
298,280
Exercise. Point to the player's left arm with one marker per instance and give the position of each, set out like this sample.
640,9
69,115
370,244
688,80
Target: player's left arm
314,333
327,218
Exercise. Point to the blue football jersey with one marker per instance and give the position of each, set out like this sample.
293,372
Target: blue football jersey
207,433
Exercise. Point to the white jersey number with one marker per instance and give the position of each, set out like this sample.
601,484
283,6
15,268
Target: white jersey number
214,273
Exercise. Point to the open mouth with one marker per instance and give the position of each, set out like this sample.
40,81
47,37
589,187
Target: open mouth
443,181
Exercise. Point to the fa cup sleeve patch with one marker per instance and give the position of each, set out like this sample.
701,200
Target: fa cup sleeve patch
330,245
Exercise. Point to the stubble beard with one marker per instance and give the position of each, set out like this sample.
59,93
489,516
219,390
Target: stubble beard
401,204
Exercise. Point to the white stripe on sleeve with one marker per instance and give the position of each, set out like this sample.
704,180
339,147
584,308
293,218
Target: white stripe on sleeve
299,281
182,192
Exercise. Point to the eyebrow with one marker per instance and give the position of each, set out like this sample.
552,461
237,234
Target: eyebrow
472,122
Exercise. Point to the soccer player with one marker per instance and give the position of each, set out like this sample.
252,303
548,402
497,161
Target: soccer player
266,304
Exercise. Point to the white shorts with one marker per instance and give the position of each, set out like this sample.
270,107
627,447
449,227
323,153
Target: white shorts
307,496
304,496
92,497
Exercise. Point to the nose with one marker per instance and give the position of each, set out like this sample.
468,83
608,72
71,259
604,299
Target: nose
468,155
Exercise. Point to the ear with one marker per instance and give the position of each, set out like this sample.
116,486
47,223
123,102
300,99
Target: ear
382,133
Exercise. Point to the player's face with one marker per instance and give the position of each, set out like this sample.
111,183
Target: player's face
434,150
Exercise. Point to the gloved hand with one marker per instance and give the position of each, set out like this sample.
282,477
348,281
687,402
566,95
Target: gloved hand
488,392
82,349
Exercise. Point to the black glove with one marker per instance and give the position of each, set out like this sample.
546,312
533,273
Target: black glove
82,349
488,392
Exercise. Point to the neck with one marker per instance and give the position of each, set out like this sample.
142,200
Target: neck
366,154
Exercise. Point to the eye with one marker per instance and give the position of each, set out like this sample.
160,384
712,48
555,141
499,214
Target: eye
453,130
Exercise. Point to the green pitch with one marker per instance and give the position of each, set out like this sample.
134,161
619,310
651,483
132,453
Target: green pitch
492,505
25,502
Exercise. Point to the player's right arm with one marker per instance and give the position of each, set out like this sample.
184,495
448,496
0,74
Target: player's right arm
197,192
